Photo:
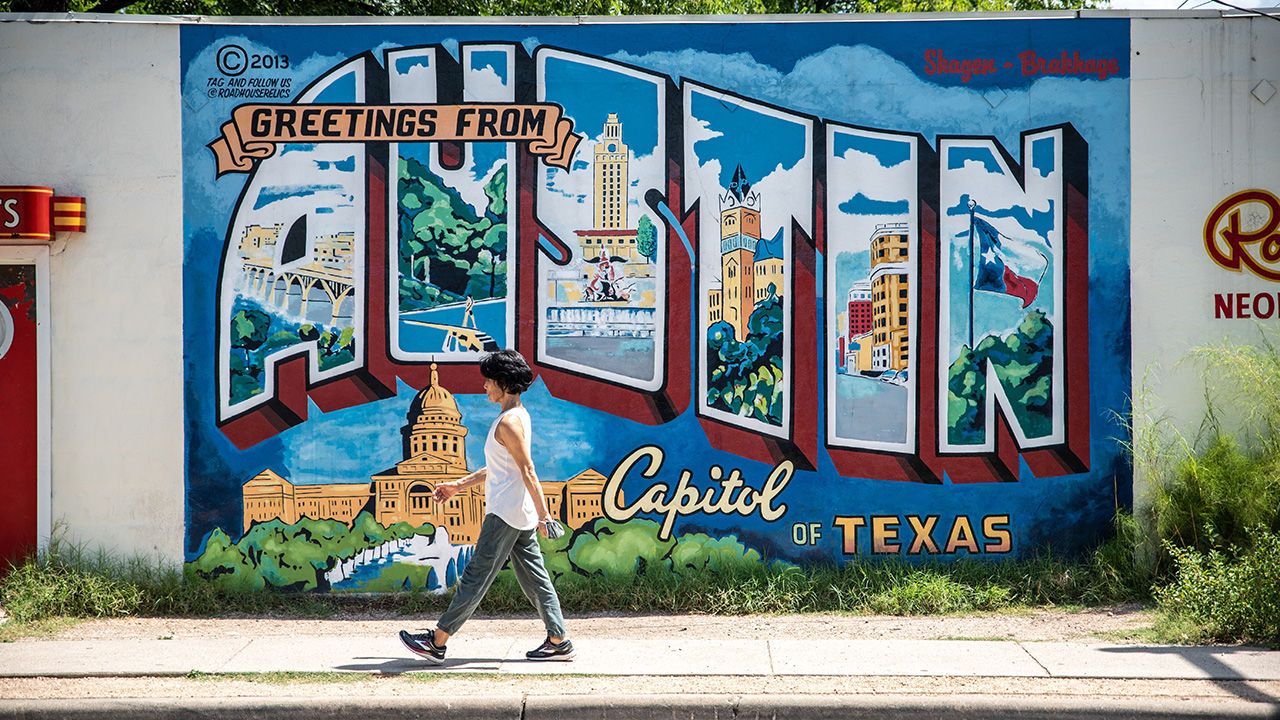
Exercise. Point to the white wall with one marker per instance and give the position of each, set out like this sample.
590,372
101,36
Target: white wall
1198,136
93,109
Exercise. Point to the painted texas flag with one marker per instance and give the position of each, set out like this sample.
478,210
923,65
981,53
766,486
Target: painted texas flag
993,274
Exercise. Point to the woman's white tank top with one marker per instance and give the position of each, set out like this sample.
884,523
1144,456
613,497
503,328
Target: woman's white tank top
504,492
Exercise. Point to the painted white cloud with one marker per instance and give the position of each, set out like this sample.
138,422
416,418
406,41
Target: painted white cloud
299,169
783,194
857,172
484,84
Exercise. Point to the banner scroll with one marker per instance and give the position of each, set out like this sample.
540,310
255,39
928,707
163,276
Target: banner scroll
254,130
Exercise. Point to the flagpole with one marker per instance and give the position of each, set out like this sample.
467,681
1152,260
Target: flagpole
972,265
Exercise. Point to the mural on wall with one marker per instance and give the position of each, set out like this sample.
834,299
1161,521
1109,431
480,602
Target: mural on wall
453,250
858,293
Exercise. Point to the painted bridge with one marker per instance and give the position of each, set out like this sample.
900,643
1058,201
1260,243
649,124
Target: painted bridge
263,280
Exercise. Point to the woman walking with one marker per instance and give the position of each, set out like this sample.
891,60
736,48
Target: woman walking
514,508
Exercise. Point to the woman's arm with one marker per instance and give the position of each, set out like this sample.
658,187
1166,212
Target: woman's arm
446,490
510,433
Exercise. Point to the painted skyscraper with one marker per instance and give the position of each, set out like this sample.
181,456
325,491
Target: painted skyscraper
890,297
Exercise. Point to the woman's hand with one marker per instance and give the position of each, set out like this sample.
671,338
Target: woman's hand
445,490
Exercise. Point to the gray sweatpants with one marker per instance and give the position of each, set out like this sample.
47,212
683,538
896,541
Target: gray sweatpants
499,541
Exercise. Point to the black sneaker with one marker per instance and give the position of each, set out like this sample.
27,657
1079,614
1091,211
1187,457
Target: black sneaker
424,646
551,651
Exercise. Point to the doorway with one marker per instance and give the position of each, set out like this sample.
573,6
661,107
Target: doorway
24,402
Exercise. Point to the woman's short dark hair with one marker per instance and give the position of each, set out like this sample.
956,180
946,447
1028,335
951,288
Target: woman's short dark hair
508,369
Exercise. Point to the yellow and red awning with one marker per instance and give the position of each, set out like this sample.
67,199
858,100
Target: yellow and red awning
33,212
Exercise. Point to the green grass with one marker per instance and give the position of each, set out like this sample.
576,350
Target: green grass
49,627
282,678
67,582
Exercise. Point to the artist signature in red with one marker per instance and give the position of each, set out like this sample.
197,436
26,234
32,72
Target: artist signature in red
1031,63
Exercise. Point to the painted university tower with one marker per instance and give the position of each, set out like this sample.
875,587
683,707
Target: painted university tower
750,267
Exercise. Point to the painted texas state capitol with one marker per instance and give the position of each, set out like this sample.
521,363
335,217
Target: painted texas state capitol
435,451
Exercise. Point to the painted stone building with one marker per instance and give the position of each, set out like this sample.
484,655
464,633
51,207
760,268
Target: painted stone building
577,501
268,497
435,451
751,267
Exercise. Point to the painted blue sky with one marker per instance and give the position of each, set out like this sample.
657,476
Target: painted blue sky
347,164
961,155
860,204
1026,224
589,93
341,90
758,142
405,64
887,152
276,193
1039,222
495,60
1042,152
352,444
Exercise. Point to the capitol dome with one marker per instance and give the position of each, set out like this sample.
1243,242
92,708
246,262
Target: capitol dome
435,425
434,400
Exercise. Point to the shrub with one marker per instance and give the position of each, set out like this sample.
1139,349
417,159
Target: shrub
1206,492
924,593
1216,495
1209,533
1228,596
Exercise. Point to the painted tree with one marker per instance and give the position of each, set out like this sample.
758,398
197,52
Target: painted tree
620,550
222,562
744,377
698,553
447,251
1023,361
249,328
647,238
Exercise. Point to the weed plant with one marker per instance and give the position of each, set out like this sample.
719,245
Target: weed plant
68,580
1211,492
1207,536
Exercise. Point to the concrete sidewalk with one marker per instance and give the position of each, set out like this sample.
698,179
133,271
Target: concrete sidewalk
131,657
804,667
